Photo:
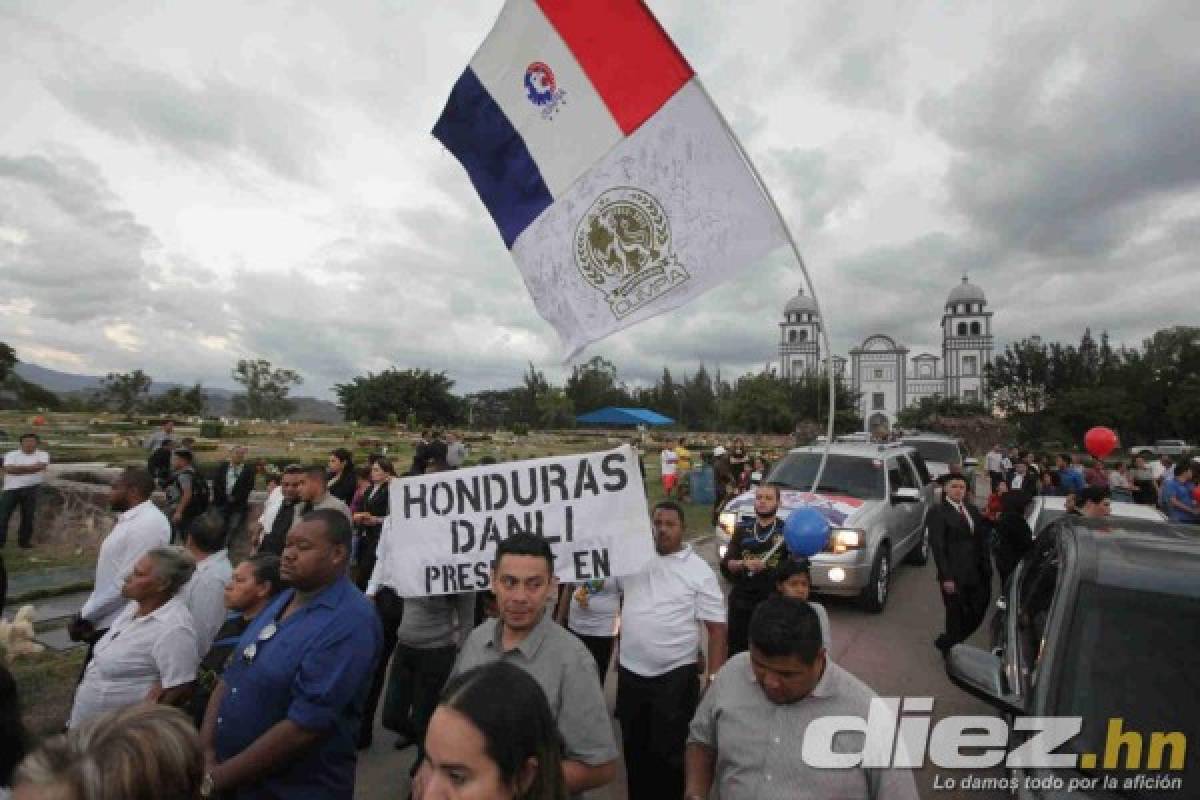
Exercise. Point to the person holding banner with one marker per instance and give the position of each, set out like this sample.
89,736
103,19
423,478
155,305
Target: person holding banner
525,635
657,687
755,549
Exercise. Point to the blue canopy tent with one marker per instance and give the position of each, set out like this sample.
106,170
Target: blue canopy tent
623,416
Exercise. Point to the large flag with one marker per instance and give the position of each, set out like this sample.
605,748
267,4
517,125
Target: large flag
612,177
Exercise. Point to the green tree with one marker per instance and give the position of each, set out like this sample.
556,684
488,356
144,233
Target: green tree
427,394
1019,378
497,408
8,360
761,403
266,389
928,409
555,409
125,391
177,400
534,386
1077,410
810,403
594,385
698,406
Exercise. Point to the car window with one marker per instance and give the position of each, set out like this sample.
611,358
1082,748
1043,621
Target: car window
900,475
1035,598
909,474
893,471
938,451
853,476
922,471
1132,655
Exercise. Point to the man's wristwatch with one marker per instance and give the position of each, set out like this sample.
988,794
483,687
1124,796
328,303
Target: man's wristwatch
206,785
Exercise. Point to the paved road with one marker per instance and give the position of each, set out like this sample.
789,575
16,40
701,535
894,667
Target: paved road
892,652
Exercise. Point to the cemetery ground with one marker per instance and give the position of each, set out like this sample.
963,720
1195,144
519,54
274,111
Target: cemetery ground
55,576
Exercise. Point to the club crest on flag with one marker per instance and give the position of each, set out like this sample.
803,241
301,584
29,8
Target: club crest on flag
542,88
623,249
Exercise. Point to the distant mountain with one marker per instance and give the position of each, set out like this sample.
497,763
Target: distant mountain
218,402
54,380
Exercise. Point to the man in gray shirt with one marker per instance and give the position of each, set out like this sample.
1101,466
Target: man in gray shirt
315,494
748,734
525,635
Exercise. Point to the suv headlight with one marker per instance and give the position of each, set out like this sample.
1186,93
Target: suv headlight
842,540
727,520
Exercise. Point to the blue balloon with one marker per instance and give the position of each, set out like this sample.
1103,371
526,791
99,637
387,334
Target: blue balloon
805,532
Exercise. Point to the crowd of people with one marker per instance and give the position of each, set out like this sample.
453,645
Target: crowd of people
265,678
966,541
735,469
1165,482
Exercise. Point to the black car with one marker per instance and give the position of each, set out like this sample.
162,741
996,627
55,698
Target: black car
1101,621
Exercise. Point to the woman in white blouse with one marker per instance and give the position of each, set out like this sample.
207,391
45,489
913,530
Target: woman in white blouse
149,653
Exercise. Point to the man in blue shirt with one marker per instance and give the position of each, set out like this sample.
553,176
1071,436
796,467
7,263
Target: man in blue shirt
1070,480
1178,496
283,720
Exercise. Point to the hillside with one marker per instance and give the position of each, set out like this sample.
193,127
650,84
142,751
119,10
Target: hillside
218,402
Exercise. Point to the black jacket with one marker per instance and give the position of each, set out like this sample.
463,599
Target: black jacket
375,502
1012,541
242,487
345,486
159,465
961,555
750,589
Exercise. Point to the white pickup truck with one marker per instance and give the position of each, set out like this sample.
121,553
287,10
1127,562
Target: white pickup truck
1163,447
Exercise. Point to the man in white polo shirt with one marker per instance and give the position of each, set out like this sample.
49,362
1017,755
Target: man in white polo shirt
657,686
140,527
24,472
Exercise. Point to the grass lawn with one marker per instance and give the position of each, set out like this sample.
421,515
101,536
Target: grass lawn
46,688
18,560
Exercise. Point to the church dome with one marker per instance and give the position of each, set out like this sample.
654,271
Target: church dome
966,292
800,304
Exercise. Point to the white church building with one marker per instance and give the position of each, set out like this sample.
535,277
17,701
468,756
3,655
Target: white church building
880,369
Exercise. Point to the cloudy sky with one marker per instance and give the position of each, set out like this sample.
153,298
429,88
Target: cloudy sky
186,184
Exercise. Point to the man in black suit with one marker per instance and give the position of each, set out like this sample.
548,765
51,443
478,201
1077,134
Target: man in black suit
231,490
958,536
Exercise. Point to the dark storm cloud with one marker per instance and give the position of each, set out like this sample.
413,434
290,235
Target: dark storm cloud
821,182
210,119
77,254
1074,136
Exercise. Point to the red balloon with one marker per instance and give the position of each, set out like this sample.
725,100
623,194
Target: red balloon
1100,441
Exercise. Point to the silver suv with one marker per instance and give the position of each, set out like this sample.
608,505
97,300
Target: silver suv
939,452
875,498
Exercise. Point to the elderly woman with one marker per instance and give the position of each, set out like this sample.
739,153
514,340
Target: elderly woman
149,653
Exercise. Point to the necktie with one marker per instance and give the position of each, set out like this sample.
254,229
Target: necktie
966,518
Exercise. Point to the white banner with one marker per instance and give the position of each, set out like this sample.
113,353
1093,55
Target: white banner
591,508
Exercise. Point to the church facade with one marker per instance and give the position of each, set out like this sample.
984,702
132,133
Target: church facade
881,370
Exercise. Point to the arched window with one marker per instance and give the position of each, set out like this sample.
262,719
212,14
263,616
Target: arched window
962,329
791,336
804,336
974,328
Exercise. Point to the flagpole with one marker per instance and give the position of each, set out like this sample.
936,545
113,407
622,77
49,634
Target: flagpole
762,185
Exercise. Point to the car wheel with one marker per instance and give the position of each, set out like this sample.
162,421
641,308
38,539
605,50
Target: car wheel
875,593
919,555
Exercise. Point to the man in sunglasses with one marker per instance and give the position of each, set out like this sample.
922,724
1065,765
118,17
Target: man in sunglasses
284,719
